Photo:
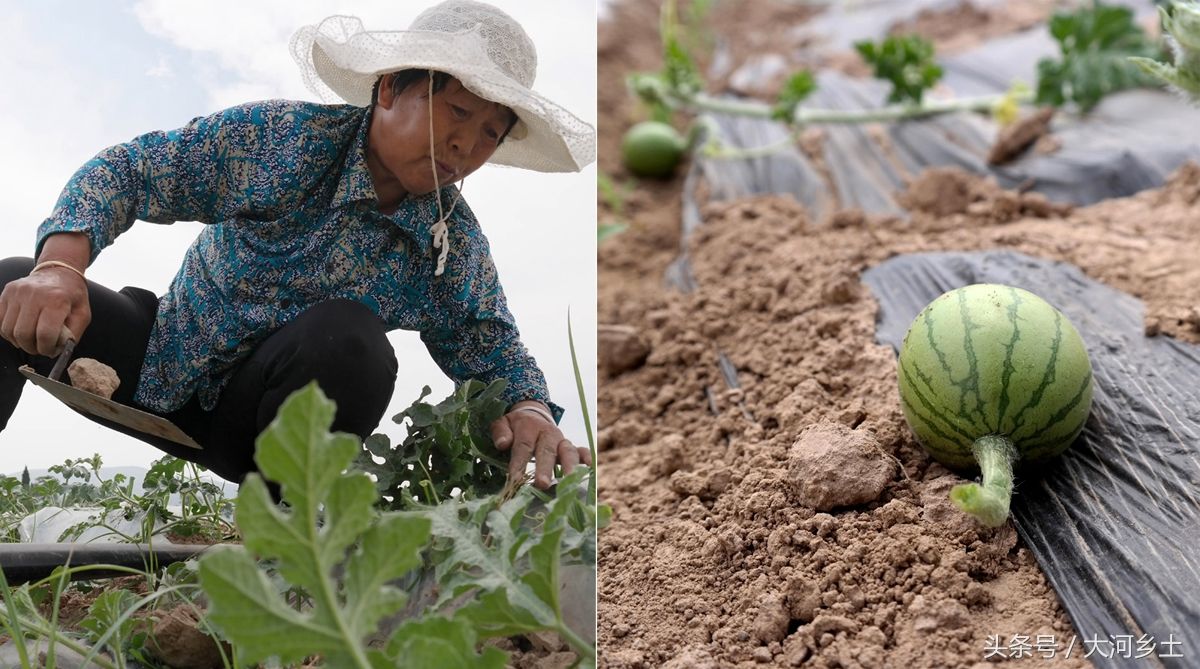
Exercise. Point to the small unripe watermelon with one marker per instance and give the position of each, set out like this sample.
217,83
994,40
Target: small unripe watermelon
991,360
652,149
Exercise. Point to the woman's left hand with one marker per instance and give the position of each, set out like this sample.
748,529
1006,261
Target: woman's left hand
530,435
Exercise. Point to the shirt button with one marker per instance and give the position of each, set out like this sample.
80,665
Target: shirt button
285,303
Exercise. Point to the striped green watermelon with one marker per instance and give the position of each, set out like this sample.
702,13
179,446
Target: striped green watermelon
991,376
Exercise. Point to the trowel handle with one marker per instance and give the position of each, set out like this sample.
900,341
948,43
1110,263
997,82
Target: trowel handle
66,339
64,336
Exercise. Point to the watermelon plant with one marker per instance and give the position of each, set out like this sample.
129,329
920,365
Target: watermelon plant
907,62
1098,45
349,558
447,448
991,377
1181,28
175,499
335,577
112,633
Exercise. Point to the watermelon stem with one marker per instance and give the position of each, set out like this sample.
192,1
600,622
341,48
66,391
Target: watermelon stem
989,502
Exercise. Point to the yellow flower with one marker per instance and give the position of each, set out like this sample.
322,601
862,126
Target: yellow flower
1007,108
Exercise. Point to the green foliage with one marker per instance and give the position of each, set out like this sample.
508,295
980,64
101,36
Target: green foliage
1096,44
66,485
205,510
906,61
679,68
329,523
108,622
1181,26
441,642
604,514
448,446
15,606
679,77
798,87
614,197
108,625
508,553
606,230
500,553
583,405
327,574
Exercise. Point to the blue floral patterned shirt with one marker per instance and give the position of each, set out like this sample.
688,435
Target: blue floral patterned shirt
295,222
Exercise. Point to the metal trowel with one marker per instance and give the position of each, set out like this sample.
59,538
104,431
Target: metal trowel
99,407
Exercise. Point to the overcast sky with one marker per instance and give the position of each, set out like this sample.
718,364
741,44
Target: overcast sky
81,76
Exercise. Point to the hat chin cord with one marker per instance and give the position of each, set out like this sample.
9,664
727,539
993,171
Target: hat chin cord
441,229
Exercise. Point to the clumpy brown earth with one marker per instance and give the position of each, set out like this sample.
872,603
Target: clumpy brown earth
794,521
177,638
965,25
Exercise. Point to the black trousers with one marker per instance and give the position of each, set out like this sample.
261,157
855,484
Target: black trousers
341,344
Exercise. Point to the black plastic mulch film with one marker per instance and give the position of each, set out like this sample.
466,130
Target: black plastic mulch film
1116,524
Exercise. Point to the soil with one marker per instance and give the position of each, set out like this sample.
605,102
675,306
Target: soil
75,600
965,25
536,651
793,520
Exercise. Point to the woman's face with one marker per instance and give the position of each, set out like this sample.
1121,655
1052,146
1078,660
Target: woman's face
466,132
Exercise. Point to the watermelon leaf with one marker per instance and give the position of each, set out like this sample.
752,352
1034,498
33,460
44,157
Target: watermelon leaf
448,446
1181,24
440,642
906,61
328,525
1096,43
512,565
798,87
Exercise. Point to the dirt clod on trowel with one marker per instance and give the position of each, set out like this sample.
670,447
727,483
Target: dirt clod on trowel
93,376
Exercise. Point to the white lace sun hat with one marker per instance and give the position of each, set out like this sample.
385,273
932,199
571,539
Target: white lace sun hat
476,43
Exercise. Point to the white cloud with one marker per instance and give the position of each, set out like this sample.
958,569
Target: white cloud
33,151
162,69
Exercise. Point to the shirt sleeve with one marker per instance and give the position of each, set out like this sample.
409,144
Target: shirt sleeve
207,171
483,342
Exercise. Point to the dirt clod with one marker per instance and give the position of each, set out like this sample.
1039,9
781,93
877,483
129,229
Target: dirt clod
93,376
1012,141
833,466
177,640
556,660
940,192
621,348
771,624
691,658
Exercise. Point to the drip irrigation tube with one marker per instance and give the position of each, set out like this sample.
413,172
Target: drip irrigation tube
23,563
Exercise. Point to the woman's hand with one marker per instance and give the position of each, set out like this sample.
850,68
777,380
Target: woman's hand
34,310
529,434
